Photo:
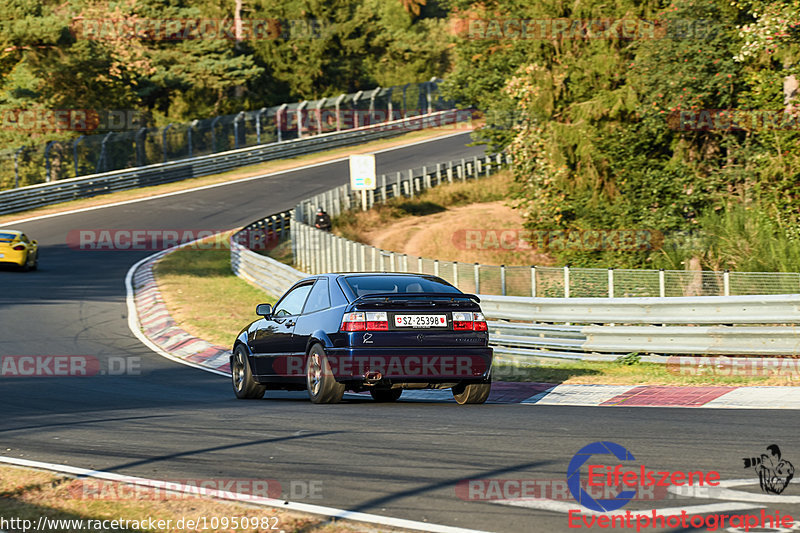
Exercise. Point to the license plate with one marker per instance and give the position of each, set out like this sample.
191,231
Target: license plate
420,321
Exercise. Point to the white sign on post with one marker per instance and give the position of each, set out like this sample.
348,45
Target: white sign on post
362,175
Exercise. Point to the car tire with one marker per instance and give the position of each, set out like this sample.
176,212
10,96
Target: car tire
244,385
472,393
320,382
385,395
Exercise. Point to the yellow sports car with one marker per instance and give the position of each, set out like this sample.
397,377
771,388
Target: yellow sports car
17,248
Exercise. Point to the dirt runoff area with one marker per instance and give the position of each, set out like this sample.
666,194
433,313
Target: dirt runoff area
487,233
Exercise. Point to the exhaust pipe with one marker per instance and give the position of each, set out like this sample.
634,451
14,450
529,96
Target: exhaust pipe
373,376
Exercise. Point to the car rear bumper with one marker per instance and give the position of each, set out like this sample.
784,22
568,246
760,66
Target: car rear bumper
412,365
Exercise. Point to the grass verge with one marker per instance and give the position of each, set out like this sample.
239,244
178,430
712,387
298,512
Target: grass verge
29,494
233,175
204,296
210,302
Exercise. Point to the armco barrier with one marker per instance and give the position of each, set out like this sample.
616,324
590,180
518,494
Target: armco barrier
15,200
576,328
526,326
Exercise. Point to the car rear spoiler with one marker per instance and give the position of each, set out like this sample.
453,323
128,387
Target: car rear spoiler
386,296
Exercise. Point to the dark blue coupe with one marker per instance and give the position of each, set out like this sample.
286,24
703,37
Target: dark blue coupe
375,331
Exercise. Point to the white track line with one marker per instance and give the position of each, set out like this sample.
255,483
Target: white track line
214,185
250,499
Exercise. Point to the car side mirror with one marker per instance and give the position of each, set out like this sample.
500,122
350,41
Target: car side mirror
264,310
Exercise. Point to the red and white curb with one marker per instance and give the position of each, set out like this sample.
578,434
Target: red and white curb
151,322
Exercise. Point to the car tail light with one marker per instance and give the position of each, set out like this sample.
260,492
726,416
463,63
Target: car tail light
360,321
377,321
469,322
479,322
19,247
462,321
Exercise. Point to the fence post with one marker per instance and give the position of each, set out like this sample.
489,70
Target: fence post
419,265
435,267
533,281
411,182
726,282
450,172
476,168
476,270
16,162
503,280
662,286
455,273
610,282
566,281
438,174
383,188
399,191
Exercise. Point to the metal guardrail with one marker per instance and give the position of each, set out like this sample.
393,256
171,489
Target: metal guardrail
572,328
15,200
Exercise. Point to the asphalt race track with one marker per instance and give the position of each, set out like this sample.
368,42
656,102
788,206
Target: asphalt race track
405,460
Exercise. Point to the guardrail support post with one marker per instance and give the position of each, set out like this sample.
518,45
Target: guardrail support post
450,172
435,267
419,265
610,282
411,182
338,105
383,188
503,280
662,286
533,281
476,169
374,259
455,273
477,273
566,281
438,174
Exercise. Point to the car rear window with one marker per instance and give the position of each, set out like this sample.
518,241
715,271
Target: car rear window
365,284
8,236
